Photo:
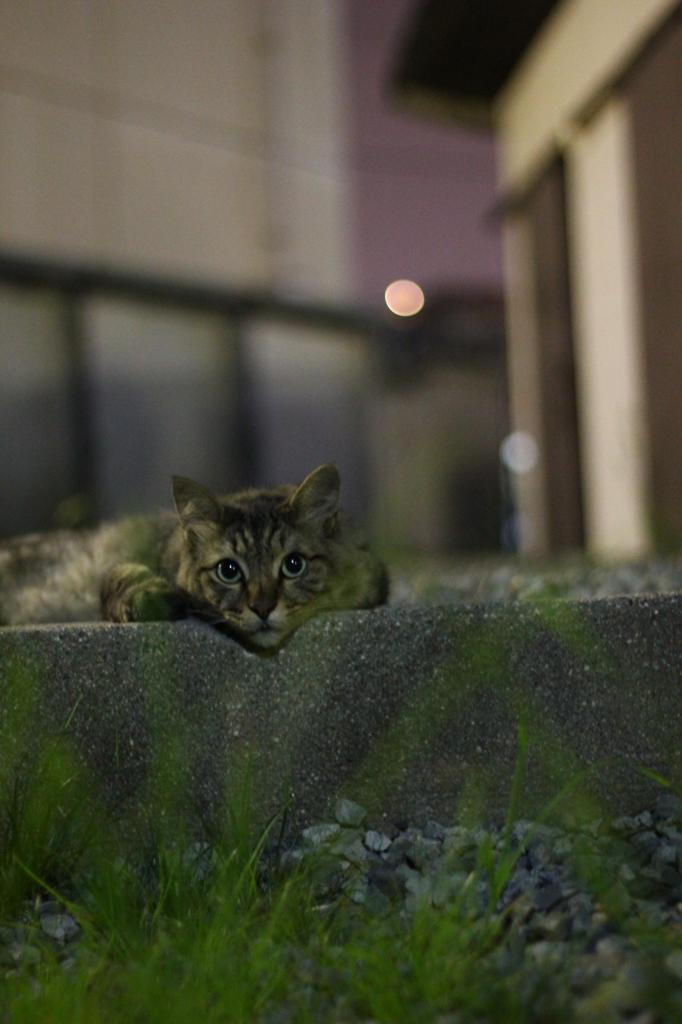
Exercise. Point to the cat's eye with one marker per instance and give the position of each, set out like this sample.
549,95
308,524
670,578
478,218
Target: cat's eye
228,571
293,565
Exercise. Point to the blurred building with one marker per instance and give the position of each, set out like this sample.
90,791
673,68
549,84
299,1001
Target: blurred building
585,98
200,207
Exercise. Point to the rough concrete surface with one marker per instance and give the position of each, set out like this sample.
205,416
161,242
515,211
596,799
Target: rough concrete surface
414,711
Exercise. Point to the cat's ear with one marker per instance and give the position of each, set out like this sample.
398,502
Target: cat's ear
317,497
195,505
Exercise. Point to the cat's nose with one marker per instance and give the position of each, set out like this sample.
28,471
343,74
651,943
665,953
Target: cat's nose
262,606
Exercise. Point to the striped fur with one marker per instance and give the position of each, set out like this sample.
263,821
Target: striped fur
159,568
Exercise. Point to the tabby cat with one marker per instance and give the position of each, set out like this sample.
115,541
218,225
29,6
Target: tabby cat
258,563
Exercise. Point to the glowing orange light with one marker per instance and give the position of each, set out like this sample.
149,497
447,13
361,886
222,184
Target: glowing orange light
404,298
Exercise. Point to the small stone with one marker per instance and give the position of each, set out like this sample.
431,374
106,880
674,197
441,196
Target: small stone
316,835
377,902
458,839
631,985
49,907
563,847
544,951
455,834
394,855
580,910
673,962
353,851
24,953
650,911
433,830
389,882
419,891
625,824
61,927
446,886
669,806
407,874
593,828
665,853
645,842
611,947
538,854
519,884
520,830
375,841
585,973
290,858
552,926
347,812
547,896
547,833
422,851
644,820
197,860
329,876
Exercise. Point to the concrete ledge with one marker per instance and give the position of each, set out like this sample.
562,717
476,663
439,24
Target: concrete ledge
412,711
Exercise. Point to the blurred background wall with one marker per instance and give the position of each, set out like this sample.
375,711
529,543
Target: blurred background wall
584,97
201,204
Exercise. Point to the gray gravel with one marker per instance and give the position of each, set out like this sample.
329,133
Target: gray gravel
586,902
637,859
511,579
593,902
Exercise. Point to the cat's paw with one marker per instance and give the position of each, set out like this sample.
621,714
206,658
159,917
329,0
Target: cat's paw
155,604
131,593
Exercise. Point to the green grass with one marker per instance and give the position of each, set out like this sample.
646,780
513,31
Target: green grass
167,948
173,930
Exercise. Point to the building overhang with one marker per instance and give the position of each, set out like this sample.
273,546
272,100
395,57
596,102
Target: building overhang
459,54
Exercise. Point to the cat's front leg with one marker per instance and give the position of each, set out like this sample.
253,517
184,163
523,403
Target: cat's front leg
133,593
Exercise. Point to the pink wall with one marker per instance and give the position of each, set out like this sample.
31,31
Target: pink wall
422,189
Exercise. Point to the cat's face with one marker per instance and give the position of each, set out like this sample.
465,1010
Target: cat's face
259,561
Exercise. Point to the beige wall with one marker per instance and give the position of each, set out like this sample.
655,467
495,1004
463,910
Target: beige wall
608,343
175,136
431,435
307,137
581,48
653,93
525,385
563,101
